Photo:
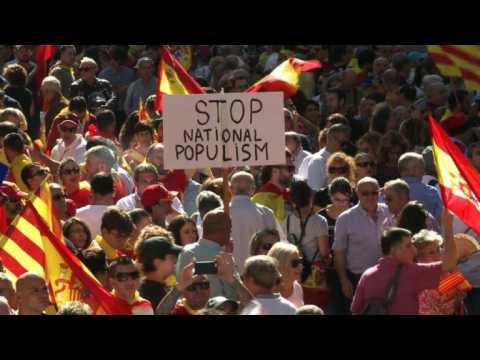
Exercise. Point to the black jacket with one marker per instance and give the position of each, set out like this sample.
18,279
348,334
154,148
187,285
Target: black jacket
101,94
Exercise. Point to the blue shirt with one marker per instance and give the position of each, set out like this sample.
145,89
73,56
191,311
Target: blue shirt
139,89
190,197
427,195
125,76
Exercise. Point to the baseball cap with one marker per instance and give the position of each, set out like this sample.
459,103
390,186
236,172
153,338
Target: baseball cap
217,301
156,192
142,61
157,247
11,193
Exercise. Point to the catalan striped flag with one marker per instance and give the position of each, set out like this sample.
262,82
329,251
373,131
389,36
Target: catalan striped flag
458,179
30,246
42,201
173,79
458,60
285,77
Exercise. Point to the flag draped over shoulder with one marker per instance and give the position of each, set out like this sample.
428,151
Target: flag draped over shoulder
460,61
173,79
458,179
285,77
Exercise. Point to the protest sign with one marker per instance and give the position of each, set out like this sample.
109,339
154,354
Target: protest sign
224,130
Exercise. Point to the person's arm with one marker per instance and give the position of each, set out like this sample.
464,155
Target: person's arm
339,249
45,160
128,99
167,304
450,256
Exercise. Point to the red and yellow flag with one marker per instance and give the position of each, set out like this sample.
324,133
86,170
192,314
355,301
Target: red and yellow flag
142,112
30,246
458,60
285,77
458,179
43,53
173,79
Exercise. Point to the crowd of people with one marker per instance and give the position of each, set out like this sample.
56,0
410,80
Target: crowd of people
352,223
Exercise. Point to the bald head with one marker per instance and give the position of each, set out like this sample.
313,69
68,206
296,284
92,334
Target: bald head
411,164
27,279
32,294
367,181
217,226
242,183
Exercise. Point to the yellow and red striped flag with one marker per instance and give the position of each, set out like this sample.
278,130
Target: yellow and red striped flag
142,112
29,246
285,77
458,60
458,179
173,79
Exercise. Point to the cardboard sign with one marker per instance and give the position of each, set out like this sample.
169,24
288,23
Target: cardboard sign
224,130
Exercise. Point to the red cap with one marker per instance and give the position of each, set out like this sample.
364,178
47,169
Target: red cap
11,193
156,192
68,123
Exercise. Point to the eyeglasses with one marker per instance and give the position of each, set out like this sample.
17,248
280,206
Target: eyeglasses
366,164
296,262
58,197
337,169
198,286
122,277
267,246
72,130
71,171
369,193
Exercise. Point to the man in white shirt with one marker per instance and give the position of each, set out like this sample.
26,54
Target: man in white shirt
247,216
102,188
337,135
294,145
261,278
70,144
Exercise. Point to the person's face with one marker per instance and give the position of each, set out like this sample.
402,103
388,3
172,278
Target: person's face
166,266
366,107
59,203
292,145
266,244
145,71
365,148
68,57
156,159
285,175
310,111
337,169
115,238
160,211
405,252
365,167
70,175
7,291
37,175
24,54
476,158
78,236
394,201
340,139
144,180
294,268
439,94
34,296
429,253
288,121
240,85
93,165
188,234
87,72
67,134
198,293
368,196
126,281
332,103
340,201
144,138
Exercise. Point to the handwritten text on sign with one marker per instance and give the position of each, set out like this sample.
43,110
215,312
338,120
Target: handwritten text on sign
224,130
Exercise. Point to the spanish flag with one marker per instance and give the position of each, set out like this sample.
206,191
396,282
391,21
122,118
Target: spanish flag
460,61
285,77
173,79
30,246
43,54
142,112
458,179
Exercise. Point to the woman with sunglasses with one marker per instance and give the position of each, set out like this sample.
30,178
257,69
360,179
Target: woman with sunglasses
33,175
262,241
76,190
338,165
365,166
290,265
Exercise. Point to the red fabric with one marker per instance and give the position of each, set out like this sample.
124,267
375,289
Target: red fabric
120,190
43,53
188,82
176,180
316,296
272,188
454,121
81,197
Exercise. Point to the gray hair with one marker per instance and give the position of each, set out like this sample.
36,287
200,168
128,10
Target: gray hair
75,308
424,237
409,161
103,153
263,269
242,183
399,186
368,180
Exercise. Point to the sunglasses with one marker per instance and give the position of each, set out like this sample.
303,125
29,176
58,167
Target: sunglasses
71,171
297,262
72,130
366,164
122,277
337,169
369,193
198,286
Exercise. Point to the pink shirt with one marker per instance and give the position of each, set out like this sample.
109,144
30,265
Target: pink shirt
414,278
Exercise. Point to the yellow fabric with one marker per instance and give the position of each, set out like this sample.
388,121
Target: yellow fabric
272,201
16,168
354,66
171,281
446,70
284,72
170,82
110,252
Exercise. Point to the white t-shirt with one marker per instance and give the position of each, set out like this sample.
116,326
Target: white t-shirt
317,226
317,172
92,215
297,295
76,150
269,305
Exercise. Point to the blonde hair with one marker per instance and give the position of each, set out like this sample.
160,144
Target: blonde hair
282,252
466,245
425,237
86,60
22,121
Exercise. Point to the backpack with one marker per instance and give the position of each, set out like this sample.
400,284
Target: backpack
379,305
